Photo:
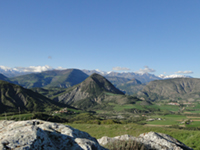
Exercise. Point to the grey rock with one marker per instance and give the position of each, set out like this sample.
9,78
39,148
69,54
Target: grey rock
38,134
151,140
161,141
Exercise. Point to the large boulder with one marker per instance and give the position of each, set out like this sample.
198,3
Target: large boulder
38,135
151,140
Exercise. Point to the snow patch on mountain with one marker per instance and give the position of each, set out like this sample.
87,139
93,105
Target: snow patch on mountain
34,68
142,76
173,76
26,69
16,71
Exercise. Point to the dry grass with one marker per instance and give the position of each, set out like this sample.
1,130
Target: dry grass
126,145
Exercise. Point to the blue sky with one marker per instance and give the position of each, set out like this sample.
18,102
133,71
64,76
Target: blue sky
159,36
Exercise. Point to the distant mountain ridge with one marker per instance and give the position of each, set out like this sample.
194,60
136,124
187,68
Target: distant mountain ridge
54,78
69,77
142,77
18,71
174,89
9,72
173,76
128,86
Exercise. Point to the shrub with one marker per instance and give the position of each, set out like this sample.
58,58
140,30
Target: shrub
126,145
94,122
110,121
47,117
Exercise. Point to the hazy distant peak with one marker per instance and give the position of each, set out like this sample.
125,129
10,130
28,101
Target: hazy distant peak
27,69
5,68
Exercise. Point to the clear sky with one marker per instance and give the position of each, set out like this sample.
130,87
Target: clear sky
159,36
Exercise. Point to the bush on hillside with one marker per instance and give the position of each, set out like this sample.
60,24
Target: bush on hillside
126,145
47,117
110,121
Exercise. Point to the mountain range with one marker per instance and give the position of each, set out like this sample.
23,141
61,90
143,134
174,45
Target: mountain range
72,87
54,78
82,90
143,77
175,89
95,91
128,86
69,77
11,72
129,83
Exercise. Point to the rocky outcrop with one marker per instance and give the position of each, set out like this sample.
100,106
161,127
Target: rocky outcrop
43,135
151,140
37,135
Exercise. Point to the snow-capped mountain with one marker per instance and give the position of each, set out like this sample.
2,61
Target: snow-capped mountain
9,72
90,72
17,71
143,77
173,76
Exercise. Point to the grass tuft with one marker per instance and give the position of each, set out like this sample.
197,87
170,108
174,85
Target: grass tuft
126,145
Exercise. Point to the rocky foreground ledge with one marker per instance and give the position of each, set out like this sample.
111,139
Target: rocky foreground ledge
43,135
151,140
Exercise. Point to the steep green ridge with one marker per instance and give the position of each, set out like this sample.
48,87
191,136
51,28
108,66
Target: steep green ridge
14,97
175,89
55,78
49,92
95,92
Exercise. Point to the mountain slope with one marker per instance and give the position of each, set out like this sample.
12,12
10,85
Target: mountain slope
94,91
144,78
128,86
9,72
55,78
14,97
116,81
90,88
131,87
178,88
